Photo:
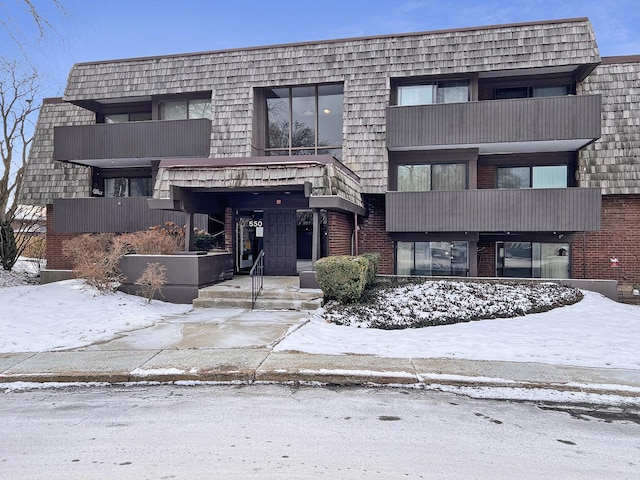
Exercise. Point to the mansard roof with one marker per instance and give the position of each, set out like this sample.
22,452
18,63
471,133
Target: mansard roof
612,163
569,42
45,179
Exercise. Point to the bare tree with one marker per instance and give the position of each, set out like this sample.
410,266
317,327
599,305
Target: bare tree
18,89
41,23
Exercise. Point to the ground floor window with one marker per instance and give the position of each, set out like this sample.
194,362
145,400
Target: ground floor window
532,260
432,258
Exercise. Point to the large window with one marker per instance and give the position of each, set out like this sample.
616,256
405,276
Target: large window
304,120
532,260
532,92
543,176
127,117
127,187
425,177
451,91
185,109
432,258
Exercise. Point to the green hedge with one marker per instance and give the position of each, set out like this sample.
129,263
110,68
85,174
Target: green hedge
344,277
372,269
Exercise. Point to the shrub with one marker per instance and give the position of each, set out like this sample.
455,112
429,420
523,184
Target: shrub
342,277
152,280
372,268
172,230
95,259
154,241
202,240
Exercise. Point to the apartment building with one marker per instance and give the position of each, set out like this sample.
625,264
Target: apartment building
508,151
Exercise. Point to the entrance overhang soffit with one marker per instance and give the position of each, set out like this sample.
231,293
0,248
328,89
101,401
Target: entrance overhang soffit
326,182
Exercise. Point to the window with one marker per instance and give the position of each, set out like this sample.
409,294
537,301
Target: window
127,187
553,176
127,117
432,258
185,109
425,177
304,120
532,92
452,91
532,260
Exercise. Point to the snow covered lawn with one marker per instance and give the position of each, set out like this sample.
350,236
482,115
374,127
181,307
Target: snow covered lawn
68,314
411,303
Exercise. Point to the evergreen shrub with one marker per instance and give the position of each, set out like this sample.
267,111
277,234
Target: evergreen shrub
342,277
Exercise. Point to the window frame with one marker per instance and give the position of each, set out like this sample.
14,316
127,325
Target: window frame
316,149
398,165
437,85
531,174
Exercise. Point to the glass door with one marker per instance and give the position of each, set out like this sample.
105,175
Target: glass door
249,234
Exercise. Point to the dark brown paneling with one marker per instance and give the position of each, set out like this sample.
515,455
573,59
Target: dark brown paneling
116,214
495,121
513,210
166,138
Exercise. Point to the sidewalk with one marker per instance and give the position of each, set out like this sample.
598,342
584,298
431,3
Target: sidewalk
235,345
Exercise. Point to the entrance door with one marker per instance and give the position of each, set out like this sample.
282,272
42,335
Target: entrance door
280,242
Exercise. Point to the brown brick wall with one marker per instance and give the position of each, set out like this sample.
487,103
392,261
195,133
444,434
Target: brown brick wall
339,228
619,237
486,259
55,241
228,229
373,237
487,176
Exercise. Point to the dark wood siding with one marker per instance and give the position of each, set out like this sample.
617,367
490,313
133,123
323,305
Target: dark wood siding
513,210
167,138
105,215
495,121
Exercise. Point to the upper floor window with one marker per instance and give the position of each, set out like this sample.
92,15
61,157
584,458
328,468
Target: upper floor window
127,117
503,93
540,176
425,177
128,187
304,120
185,109
446,91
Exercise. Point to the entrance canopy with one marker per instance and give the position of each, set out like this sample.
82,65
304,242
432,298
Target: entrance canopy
326,182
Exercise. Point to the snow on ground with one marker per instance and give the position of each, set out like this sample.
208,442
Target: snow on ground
68,314
595,332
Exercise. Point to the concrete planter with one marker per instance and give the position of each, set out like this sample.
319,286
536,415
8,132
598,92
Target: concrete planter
186,273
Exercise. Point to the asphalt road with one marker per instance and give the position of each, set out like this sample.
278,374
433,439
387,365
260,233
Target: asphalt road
273,431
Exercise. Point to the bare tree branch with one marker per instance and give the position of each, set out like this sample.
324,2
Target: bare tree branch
41,23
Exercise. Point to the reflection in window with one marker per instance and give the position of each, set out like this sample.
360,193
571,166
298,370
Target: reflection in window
542,176
451,91
127,117
425,177
530,92
185,109
432,258
532,260
305,120
127,187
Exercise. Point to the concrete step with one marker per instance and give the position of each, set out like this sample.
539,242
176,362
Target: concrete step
215,293
261,304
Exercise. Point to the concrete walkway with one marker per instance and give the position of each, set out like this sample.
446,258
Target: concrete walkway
236,345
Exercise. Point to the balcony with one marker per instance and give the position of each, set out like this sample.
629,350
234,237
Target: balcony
497,126
112,214
93,144
502,210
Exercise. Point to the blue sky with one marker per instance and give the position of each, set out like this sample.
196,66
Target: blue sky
108,29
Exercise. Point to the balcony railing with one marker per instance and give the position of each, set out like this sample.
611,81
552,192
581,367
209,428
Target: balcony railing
501,210
113,214
152,139
488,124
